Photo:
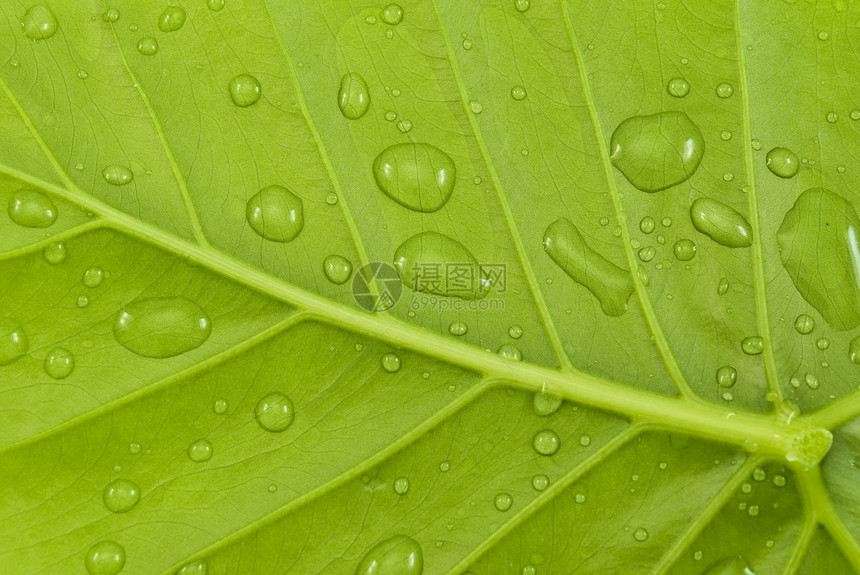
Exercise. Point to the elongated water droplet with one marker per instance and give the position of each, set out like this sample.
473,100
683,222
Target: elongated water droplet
121,495
39,23
245,90
117,175
678,87
546,442
32,209
276,214
819,245
337,269
401,485
544,404
684,249
399,555
518,93
353,98
503,501
392,14
804,324
510,351
854,350
727,376
162,327
147,46
417,176
110,15
105,558
275,412
59,363
723,286
721,223
13,341
198,567
752,345
200,451
782,162
610,284
458,328
390,362
171,19
658,151
432,250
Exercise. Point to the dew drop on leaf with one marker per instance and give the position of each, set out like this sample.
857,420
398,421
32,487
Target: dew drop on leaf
198,567
171,19
752,345
220,406
274,412
215,5
723,286
417,176
727,376
540,482
721,223
854,350
121,495
585,440
105,558
39,23
390,362
401,485
804,324
200,451
59,363
503,501
438,250
458,328
510,351
518,93
110,15
82,301
444,466
392,14
678,87
13,341
276,214
580,498
515,331
684,249
32,209
782,162
161,327
647,225
647,253
337,269
93,277
353,97
147,46
544,404
640,534
522,5
822,343
55,253
245,90
398,555
546,442
725,90
117,175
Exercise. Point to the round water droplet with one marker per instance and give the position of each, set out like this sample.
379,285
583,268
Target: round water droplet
752,345
162,327
678,87
399,555
353,97
518,93
171,19
275,412
467,44
432,250
39,23
200,450
83,74
121,495
198,567
476,106
832,117
458,328
32,209
779,480
684,250
392,14
804,324
147,46
725,135
276,214
117,175
215,5
510,351
782,162
725,90
83,301
503,501
13,341
244,90
417,176
404,125
647,224
134,448
55,253
444,466
822,343
105,558
110,15
337,269
93,277
585,441
640,535
546,442
544,404
522,5
811,381
401,485
220,406
390,362
540,482
658,151
515,331
727,376
647,253
721,223
59,363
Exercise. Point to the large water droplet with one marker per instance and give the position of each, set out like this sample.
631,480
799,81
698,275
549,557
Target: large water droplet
105,558
782,162
721,223
684,249
147,46
276,214
678,87
390,362
546,442
337,269
417,176
510,351
117,175
245,90
198,567
39,23
819,245
161,326
200,451
399,555
171,19
435,251
353,97
59,363
55,253
392,14
752,345
658,151
32,209
275,412
610,284
727,376
503,501
804,324
544,404
121,495
13,341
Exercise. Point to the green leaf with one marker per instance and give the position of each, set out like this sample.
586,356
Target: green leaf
225,347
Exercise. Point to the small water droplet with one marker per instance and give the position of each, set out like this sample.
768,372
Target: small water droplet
59,363
353,97
390,362
401,485
727,376
389,34
392,14
197,567
752,345
476,106
782,162
503,501
161,327
546,442
647,253
404,125
105,558
220,406
117,175
274,412
822,343
245,90
13,341
417,176
510,351
431,250
444,466
647,225
540,482
804,324
215,5
200,450
725,90
753,510
121,495
518,93
93,277
585,441
147,46
398,555
725,135
32,209
723,286
171,19
522,5
39,23
337,269
580,498
134,448
458,328
544,404
276,214
832,117
721,223
779,480
678,87
684,249
515,331
640,535
110,15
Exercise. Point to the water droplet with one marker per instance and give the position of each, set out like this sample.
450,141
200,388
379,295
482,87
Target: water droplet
274,412
276,214
444,466
215,5
540,482
39,23
610,284
431,250
337,269
32,209
417,176
105,558
458,328
503,501
647,225
658,151
134,448
640,535
198,567
518,93
647,253
82,301
544,404
678,87
753,510
59,363
782,162
220,406
390,362
811,381
546,442
854,350
723,286
117,175
244,90
721,223
804,324
13,341
467,44
401,485
725,90
510,351
404,125
55,253
83,75
819,245
147,46
171,19
353,97
476,106
779,480
832,117
389,34
161,327
822,343
585,441
110,15
727,376
121,495
399,555
392,14
515,331
522,5
200,450
684,250
752,345
725,135
93,277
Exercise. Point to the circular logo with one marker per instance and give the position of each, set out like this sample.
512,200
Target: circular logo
376,287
